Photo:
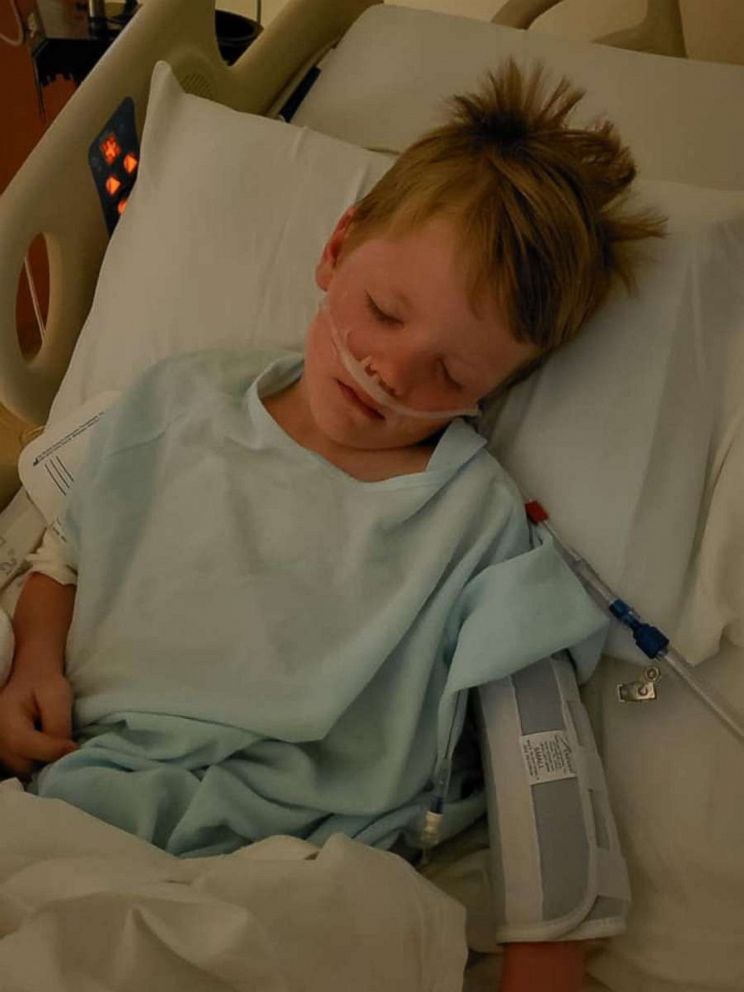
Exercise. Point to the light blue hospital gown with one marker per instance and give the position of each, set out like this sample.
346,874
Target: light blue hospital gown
262,644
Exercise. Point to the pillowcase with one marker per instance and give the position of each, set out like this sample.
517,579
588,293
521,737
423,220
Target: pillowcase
633,435
623,434
219,241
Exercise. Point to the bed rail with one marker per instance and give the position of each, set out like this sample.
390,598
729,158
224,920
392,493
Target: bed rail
53,193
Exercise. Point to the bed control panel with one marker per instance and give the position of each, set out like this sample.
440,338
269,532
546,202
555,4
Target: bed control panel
114,162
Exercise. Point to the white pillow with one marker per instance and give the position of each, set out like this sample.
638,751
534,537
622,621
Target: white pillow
632,435
219,241
617,434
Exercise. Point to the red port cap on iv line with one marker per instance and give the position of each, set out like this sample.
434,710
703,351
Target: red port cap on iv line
536,513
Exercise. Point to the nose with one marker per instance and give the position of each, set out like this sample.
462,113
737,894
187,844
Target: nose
398,370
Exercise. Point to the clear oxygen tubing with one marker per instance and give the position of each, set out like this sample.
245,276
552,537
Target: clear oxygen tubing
649,639
368,380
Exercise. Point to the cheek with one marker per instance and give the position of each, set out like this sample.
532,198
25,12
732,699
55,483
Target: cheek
354,322
322,368
320,355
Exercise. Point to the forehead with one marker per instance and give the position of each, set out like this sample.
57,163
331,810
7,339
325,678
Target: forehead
425,263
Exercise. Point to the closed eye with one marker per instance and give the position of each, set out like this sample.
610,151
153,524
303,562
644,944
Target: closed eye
386,318
378,314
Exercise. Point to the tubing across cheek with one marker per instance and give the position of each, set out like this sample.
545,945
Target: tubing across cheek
358,371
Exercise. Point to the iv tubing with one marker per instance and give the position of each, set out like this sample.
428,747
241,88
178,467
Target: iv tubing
651,641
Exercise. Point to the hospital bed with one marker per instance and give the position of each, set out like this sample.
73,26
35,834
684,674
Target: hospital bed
659,374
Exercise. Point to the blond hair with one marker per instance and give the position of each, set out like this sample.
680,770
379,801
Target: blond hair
539,205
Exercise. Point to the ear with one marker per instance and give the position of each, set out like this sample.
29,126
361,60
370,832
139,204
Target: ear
332,251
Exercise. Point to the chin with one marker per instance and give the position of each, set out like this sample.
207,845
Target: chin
373,438
351,436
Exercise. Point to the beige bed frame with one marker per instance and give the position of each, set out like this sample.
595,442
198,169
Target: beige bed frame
53,194
660,31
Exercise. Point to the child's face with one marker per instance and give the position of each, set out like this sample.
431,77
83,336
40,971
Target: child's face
403,303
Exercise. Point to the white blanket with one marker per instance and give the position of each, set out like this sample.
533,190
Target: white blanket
85,907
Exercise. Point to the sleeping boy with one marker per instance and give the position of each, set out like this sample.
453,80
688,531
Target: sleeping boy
275,580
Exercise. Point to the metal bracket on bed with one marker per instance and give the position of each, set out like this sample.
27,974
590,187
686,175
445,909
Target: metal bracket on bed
642,691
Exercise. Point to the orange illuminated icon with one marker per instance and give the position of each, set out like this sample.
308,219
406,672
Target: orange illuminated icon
130,163
112,185
111,148
122,205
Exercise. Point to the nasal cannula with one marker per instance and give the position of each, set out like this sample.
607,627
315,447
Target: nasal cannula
364,375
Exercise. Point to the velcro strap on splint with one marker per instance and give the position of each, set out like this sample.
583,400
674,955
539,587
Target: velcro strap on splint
555,856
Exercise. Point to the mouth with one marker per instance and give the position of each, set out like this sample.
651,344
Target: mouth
353,397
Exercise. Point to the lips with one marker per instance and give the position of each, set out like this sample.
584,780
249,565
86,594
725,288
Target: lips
356,398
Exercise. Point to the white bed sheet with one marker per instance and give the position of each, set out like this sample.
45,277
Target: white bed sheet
676,783
85,906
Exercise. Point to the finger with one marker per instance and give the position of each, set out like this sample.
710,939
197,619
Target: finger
39,746
55,710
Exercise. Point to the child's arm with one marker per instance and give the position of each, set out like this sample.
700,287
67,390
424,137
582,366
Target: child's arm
549,967
36,702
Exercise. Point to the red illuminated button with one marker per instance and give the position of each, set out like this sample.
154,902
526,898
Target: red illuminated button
122,205
112,185
111,148
130,163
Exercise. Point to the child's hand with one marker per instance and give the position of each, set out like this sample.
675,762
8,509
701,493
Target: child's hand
35,716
